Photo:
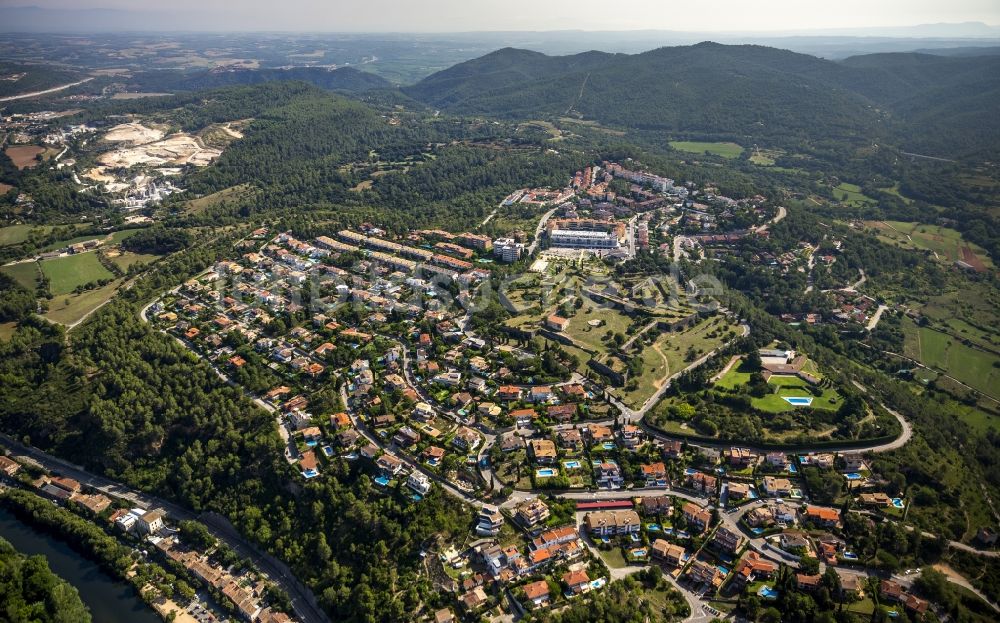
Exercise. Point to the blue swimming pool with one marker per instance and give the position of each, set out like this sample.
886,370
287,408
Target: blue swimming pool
683,534
639,552
850,556
897,502
792,469
722,569
853,476
571,464
798,401
757,531
382,480
310,473
689,471
545,472
767,592
608,445
652,527
312,443
327,450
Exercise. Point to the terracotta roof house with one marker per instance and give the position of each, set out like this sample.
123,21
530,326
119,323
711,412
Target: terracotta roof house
577,581
537,592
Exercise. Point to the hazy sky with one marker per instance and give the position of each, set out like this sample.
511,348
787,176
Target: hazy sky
470,15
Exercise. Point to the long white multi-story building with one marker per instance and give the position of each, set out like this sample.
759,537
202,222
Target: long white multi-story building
581,239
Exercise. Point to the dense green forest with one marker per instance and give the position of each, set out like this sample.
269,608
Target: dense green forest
30,592
744,93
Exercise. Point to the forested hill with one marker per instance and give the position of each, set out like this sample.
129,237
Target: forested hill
344,79
743,93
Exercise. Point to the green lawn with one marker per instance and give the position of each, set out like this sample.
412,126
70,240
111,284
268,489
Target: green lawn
734,378
793,386
25,273
613,558
726,150
66,273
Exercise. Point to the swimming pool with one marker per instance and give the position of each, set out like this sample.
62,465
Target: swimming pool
312,443
571,464
382,480
690,471
767,592
327,450
853,476
897,502
722,569
546,472
310,473
850,556
608,445
757,531
639,552
652,527
798,401
792,469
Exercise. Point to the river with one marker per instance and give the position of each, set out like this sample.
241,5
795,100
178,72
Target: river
109,600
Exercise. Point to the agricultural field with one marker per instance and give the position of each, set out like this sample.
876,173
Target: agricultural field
25,273
23,156
16,234
851,195
947,245
71,308
726,150
67,273
946,353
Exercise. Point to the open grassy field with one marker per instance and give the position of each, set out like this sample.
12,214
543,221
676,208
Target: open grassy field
732,379
23,156
668,355
25,273
14,234
946,353
726,150
71,308
945,244
611,320
231,194
851,195
129,259
7,330
66,273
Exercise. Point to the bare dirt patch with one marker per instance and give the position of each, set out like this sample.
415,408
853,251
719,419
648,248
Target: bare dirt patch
5,188
969,257
133,133
177,149
23,156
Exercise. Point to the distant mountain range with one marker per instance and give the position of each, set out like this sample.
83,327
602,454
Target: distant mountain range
949,104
